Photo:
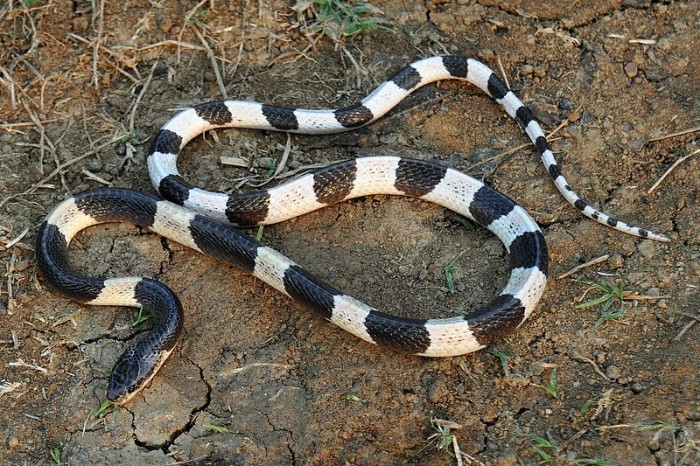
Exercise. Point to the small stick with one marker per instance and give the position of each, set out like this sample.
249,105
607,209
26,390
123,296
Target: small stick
357,67
96,45
642,41
503,72
94,177
666,173
168,42
132,117
592,363
214,65
188,17
257,364
673,135
633,296
12,242
9,83
527,144
21,363
282,164
688,326
10,271
597,260
110,53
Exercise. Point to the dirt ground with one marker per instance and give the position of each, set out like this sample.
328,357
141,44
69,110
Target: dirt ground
259,380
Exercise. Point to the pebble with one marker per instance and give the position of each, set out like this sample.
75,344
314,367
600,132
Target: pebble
95,165
438,392
493,248
631,69
647,248
616,261
510,460
265,162
565,104
637,388
161,69
487,55
13,443
613,372
165,27
120,149
111,169
664,44
21,264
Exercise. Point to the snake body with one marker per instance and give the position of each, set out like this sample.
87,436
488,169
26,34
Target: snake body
194,217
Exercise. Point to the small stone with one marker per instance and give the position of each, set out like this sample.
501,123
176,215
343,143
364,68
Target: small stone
111,169
265,162
616,261
631,69
487,55
13,443
165,27
95,165
21,264
438,392
80,23
565,104
613,372
161,69
647,249
510,460
493,248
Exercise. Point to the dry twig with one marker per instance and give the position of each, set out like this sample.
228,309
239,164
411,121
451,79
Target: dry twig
597,260
667,172
673,135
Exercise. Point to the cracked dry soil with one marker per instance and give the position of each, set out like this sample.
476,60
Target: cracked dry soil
256,379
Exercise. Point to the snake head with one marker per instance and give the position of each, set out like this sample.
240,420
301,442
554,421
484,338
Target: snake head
131,373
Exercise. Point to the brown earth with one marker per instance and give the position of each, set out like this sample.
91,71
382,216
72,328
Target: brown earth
78,109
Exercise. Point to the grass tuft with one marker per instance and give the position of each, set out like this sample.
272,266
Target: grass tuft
503,358
545,448
337,19
610,295
449,270
57,456
553,386
141,317
466,223
217,429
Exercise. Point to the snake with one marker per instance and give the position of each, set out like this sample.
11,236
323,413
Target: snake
208,222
